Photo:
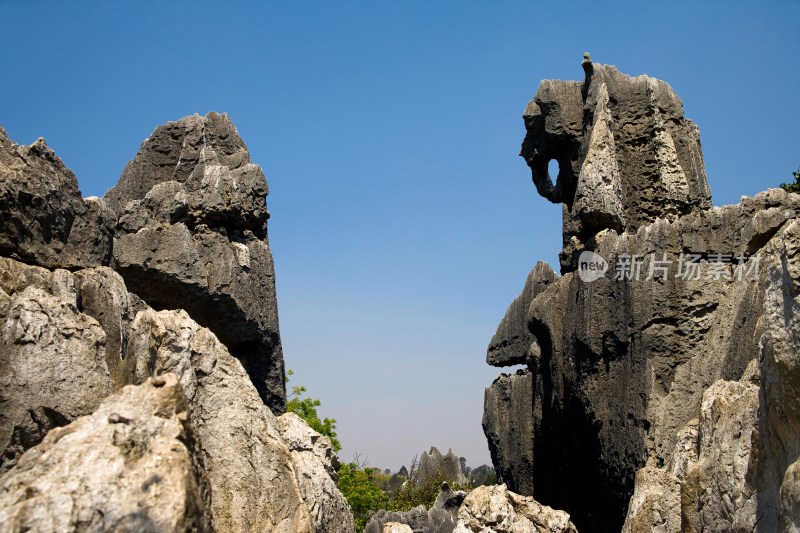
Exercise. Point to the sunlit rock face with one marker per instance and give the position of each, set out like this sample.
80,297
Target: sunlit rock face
632,350
626,153
192,235
120,410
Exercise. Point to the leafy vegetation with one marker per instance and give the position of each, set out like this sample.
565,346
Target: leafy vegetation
359,487
793,187
306,408
369,489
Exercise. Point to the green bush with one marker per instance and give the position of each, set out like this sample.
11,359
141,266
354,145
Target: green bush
359,487
793,187
306,408
413,494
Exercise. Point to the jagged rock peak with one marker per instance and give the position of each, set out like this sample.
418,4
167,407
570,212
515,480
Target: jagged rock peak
626,153
434,463
45,221
206,155
192,235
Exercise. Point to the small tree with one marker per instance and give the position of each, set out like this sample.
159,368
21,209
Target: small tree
793,187
306,408
359,487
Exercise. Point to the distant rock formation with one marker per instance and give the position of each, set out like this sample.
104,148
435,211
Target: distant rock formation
660,377
433,464
77,342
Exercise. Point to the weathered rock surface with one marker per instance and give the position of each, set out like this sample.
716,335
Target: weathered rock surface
495,509
254,485
396,527
315,462
70,337
192,235
52,355
626,153
647,366
133,465
45,221
441,518
510,433
433,464
513,343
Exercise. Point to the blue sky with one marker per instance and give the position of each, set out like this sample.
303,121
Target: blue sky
403,221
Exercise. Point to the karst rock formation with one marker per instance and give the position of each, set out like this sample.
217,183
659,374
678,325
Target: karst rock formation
141,372
660,386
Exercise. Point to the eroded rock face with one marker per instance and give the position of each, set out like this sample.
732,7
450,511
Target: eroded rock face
133,465
52,355
45,221
314,464
496,509
626,153
70,337
250,469
637,368
513,343
192,235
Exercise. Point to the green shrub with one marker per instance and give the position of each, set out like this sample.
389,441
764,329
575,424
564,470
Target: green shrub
359,487
793,187
306,408
413,494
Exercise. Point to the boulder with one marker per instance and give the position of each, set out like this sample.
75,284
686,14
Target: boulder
133,465
45,221
396,527
495,509
315,462
192,235
250,470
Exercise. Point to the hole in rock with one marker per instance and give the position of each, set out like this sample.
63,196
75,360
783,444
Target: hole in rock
552,171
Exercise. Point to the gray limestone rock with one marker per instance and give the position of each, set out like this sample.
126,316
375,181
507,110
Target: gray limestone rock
52,356
313,459
513,343
631,356
133,465
626,153
192,235
495,509
510,435
250,469
45,221
441,518
433,464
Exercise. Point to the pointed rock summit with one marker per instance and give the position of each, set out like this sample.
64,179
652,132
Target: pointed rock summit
192,234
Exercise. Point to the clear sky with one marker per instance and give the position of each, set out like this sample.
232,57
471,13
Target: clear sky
403,221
